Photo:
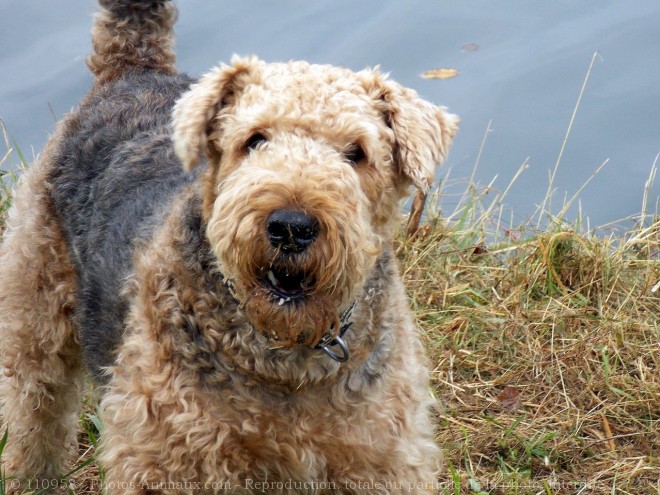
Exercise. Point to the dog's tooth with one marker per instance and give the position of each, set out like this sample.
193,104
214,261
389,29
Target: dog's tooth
272,278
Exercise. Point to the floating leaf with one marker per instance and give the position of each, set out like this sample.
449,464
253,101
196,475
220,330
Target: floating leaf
440,74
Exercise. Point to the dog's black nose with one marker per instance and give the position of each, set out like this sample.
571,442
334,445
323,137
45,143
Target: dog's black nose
291,231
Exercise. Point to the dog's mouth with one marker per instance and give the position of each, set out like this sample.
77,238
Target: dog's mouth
287,285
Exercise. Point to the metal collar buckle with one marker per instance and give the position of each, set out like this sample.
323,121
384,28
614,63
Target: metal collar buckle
330,340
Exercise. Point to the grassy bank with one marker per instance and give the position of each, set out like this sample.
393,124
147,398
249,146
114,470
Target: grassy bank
544,348
545,353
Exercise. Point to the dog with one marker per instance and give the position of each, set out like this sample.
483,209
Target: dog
217,254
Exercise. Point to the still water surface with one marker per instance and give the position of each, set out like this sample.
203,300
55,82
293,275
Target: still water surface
522,64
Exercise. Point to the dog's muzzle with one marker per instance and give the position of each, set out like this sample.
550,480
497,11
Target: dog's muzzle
290,232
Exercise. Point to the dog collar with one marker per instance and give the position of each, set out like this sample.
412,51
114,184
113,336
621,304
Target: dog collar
329,341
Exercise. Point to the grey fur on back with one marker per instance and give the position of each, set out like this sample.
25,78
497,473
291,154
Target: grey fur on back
116,174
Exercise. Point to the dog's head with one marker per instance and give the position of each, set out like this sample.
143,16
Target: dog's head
306,166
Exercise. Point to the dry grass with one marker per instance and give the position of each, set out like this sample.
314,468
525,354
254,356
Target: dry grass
544,348
545,351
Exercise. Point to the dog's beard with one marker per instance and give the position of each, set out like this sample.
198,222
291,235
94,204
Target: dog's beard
292,297
303,320
289,298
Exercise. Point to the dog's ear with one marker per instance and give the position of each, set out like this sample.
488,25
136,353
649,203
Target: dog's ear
196,110
422,131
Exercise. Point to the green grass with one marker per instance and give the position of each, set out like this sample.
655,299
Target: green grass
11,165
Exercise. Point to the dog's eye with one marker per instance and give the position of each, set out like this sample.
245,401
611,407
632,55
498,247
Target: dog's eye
355,154
256,140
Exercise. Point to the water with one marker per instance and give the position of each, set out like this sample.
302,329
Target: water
522,71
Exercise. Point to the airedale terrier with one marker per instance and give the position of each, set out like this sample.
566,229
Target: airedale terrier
217,253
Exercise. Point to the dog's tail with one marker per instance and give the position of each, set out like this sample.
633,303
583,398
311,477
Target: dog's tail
132,35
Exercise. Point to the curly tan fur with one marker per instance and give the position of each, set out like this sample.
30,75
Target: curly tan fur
252,411
199,321
39,351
